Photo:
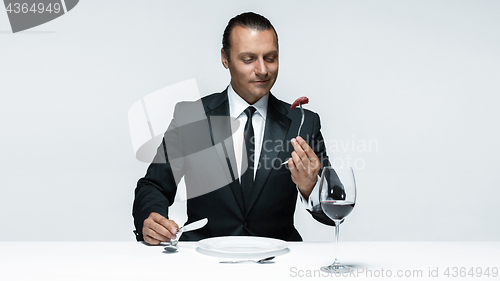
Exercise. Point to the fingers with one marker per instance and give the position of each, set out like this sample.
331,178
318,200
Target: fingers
307,150
168,224
299,151
151,241
158,229
304,166
303,155
293,167
298,161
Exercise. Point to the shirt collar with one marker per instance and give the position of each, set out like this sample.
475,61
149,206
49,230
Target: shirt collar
237,104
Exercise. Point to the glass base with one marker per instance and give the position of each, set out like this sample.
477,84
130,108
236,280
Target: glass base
336,268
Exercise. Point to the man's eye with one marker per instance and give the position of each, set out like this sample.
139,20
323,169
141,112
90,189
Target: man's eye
270,59
247,60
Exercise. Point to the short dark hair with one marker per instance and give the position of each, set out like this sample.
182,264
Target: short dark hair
248,20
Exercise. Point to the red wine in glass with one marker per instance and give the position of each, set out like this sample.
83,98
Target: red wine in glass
337,210
337,197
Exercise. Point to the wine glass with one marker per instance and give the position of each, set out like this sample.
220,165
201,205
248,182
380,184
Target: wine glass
337,196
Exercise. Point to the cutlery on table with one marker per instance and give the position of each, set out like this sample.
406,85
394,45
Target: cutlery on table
172,247
265,260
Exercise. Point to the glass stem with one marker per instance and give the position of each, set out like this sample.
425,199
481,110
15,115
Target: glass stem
337,225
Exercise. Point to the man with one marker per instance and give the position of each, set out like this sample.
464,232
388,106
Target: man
256,201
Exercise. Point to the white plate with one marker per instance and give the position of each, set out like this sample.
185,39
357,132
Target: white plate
242,245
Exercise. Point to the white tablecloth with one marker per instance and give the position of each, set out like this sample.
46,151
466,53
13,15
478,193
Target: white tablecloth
136,261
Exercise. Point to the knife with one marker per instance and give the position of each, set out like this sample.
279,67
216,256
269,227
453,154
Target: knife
172,247
193,226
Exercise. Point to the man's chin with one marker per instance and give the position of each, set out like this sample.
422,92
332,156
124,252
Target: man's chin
261,91
259,95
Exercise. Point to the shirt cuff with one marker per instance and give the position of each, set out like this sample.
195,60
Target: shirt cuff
313,202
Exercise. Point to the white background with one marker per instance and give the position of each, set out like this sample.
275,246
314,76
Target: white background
418,80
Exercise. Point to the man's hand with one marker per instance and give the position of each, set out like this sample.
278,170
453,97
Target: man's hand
304,166
158,229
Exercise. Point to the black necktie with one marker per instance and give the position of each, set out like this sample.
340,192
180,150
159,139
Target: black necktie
247,177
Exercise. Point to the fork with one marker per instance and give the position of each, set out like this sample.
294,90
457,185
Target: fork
300,127
265,260
301,120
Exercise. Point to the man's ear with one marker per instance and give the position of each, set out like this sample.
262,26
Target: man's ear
223,57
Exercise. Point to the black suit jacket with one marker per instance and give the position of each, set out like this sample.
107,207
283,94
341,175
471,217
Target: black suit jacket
270,212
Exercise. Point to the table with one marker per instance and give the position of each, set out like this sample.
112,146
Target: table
137,261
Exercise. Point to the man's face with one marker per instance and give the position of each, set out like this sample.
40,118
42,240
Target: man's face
254,62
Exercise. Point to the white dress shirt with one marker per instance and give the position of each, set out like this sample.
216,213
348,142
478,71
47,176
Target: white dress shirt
237,106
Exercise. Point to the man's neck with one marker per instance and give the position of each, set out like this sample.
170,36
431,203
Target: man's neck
238,104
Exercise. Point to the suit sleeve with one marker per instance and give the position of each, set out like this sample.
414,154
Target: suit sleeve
317,143
155,192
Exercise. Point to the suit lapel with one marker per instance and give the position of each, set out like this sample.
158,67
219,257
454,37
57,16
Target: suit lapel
277,125
217,111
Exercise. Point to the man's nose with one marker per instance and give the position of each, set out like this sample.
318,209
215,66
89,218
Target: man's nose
260,67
